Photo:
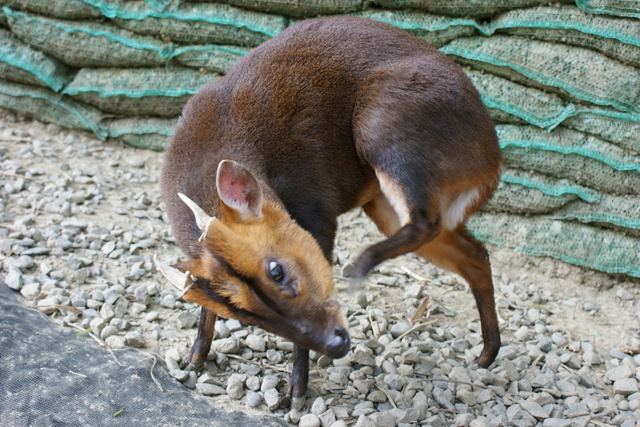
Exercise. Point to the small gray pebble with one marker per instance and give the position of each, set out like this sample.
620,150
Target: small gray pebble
191,381
309,420
272,399
226,345
179,374
318,406
221,329
234,325
399,328
96,324
151,316
253,382
14,279
210,389
134,339
625,386
187,320
30,291
269,382
168,301
276,357
108,331
294,416
235,387
172,364
253,398
256,343
137,308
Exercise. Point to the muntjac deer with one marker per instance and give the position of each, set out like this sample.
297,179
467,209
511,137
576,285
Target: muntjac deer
332,114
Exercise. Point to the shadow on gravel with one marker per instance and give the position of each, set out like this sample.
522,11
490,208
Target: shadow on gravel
50,377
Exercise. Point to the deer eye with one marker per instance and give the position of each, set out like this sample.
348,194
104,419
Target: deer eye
276,271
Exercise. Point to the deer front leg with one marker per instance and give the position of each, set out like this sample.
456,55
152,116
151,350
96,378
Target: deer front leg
202,344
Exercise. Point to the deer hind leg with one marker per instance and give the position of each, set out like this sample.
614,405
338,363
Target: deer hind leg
459,252
407,228
453,249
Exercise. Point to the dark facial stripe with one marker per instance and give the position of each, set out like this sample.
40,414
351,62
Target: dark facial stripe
252,282
239,312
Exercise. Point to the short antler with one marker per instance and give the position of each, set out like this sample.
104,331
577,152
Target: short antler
202,219
179,280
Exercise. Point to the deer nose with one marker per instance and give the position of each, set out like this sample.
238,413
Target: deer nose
338,344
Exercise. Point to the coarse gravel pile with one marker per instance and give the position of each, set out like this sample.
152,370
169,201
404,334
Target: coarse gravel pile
80,223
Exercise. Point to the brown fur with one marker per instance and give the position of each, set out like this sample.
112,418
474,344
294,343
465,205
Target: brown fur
332,114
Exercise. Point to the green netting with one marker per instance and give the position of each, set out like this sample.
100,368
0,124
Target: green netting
138,91
569,18
88,44
531,105
615,37
51,107
572,155
160,5
622,129
625,53
474,8
19,62
531,193
517,199
611,7
594,247
143,132
621,211
572,71
567,141
302,8
433,30
69,9
550,186
215,58
192,23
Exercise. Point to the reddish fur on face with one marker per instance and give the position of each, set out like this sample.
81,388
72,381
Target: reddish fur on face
234,254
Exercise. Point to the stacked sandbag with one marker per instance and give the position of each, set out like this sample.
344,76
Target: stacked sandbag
125,67
563,86
561,80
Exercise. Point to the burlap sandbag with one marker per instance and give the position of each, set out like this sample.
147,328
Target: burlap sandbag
19,62
67,9
194,23
468,8
511,102
88,44
152,133
620,211
565,153
48,106
623,129
573,242
138,91
302,8
573,72
432,29
629,8
216,58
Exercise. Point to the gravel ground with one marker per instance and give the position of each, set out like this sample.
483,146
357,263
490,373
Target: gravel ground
80,222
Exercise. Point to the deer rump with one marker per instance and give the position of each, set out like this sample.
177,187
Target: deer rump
332,114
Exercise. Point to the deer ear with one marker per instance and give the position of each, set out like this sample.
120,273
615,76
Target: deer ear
239,189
